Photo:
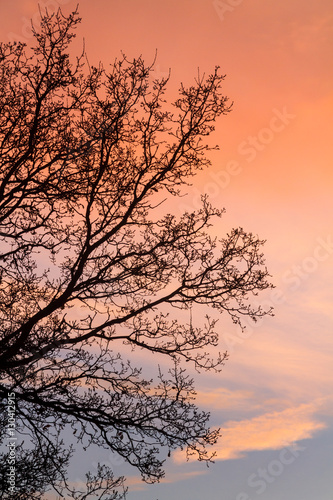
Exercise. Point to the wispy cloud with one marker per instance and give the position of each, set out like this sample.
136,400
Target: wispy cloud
136,483
273,430
223,398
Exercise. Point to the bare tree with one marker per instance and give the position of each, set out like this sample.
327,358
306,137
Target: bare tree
90,261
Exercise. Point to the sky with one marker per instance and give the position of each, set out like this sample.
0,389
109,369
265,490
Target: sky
273,175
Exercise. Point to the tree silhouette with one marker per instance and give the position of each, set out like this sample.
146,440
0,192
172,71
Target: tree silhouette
91,264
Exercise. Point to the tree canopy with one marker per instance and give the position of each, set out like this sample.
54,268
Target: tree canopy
90,261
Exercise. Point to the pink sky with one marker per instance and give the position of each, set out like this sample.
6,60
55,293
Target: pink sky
276,387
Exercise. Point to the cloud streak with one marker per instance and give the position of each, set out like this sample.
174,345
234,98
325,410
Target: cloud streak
269,431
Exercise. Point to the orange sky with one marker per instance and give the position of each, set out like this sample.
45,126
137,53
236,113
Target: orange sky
273,174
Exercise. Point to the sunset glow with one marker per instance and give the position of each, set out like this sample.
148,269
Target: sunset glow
273,174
